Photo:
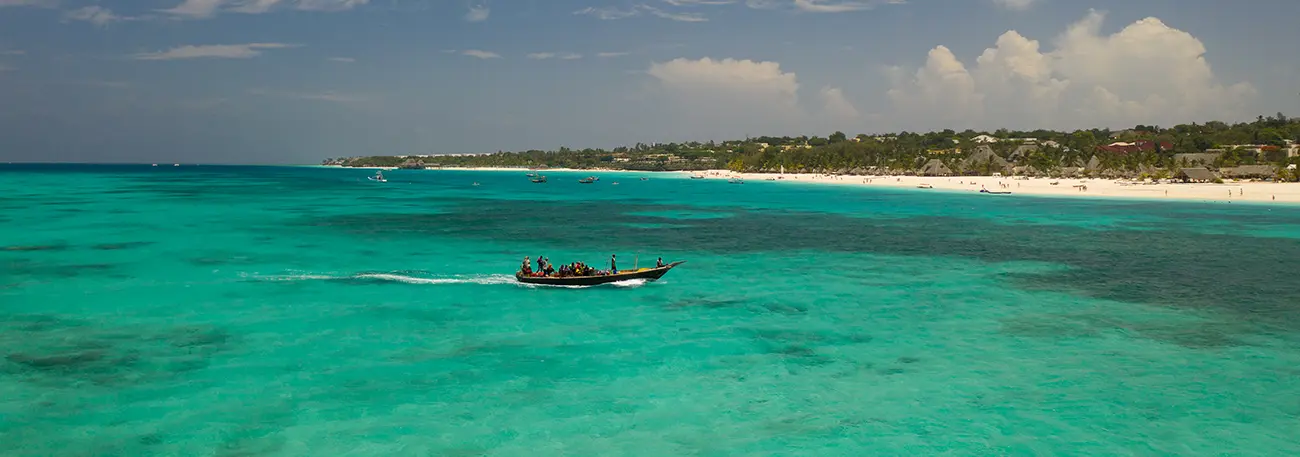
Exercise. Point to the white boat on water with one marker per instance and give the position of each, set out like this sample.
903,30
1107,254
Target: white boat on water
736,180
379,176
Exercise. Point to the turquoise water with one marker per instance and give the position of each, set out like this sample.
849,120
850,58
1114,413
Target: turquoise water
278,311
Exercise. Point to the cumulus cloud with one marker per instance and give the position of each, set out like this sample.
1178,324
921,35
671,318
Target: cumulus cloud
1018,5
202,9
214,51
737,97
1147,73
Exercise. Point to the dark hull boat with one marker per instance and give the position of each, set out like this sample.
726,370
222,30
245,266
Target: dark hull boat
649,274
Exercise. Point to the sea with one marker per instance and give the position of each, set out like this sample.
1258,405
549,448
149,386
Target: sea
306,311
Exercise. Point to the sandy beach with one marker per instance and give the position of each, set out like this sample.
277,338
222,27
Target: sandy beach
1255,192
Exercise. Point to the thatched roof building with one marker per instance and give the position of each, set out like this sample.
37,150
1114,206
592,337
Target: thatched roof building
1249,172
935,167
983,156
1196,175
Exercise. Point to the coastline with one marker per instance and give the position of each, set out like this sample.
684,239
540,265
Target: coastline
1228,192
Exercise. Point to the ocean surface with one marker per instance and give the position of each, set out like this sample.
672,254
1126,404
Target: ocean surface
302,311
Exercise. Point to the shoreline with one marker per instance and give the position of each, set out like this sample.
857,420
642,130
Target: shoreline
1096,188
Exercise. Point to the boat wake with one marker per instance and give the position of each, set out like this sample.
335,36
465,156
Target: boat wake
421,278
398,277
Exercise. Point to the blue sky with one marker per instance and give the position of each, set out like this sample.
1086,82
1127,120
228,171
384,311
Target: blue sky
294,81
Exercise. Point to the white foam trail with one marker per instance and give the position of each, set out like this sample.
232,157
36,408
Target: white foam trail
393,277
629,283
485,279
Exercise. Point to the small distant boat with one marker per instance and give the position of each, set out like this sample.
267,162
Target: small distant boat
476,184
155,164
587,180
645,179
697,176
539,179
615,183
176,164
997,192
379,176
532,175
736,181
924,186
648,274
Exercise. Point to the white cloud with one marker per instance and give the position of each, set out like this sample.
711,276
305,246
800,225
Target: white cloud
729,98
1018,5
611,13
680,17
342,59
820,6
1147,73
13,52
606,55
214,51
481,54
201,9
35,3
836,106
552,55
607,13
478,13
699,2
93,14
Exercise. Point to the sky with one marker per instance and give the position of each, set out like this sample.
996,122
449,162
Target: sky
297,81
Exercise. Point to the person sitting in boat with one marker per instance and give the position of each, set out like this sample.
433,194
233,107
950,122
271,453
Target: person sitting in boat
549,270
527,267
659,263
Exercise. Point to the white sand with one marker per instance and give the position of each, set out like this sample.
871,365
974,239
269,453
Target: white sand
1259,192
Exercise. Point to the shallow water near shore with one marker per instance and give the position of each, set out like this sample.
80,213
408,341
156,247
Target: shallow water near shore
203,310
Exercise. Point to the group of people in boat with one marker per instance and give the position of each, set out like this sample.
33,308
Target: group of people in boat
545,268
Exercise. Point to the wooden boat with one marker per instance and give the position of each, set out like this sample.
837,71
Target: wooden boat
998,192
697,177
587,180
924,186
649,274
538,179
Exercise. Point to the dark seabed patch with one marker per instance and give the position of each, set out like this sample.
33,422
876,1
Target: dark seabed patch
121,246
61,352
35,248
1192,335
42,269
1141,266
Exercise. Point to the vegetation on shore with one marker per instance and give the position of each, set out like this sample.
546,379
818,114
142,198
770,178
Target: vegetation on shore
1268,143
